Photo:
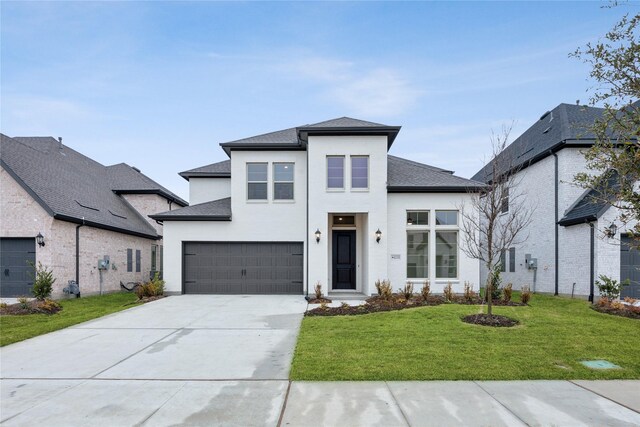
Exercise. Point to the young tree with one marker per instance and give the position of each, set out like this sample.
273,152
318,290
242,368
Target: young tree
496,219
615,71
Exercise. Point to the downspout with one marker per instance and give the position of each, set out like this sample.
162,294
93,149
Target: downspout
592,262
307,230
78,256
555,160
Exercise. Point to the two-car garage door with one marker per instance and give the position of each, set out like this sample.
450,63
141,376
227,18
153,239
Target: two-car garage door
242,267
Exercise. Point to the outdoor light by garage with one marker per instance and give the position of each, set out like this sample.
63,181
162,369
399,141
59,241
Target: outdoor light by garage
378,235
40,239
611,230
318,234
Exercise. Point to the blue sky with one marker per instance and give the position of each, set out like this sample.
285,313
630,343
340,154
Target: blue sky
159,85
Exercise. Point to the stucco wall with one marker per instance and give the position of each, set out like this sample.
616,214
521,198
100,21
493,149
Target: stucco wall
208,189
398,204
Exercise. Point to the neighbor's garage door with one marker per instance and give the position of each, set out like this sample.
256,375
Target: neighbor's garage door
15,271
629,268
242,268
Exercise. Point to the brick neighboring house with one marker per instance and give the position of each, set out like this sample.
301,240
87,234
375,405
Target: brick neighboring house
571,236
86,213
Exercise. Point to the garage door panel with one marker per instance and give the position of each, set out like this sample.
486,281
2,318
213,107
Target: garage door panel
16,273
243,268
629,268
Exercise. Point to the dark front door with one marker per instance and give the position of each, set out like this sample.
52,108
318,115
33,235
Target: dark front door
16,272
629,268
344,259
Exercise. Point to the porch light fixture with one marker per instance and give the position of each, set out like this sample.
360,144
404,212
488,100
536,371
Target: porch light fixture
378,235
318,234
611,230
40,239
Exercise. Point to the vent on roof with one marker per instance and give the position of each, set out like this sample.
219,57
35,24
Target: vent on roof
547,130
135,169
545,115
84,205
115,214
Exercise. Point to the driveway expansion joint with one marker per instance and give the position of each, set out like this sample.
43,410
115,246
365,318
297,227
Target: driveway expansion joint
603,396
501,404
406,420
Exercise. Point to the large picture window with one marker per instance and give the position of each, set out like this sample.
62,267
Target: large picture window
447,218
335,172
257,176
283,181
418,254
360,172
446,254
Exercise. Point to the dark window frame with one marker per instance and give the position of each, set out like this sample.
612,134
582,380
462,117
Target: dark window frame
138,260
129,260
512,260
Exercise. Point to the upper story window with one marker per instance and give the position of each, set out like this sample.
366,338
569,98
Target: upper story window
360,172
283,181
257,176
417,218
335,172
447,218
504,208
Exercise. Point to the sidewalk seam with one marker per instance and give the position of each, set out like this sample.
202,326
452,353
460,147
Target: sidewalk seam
284,404
404,416
141,423
603,396
501,404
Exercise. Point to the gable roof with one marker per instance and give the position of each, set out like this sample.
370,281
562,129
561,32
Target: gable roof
564,125
126,179
217,210
591,204
214,170
72,187
407,176
295,138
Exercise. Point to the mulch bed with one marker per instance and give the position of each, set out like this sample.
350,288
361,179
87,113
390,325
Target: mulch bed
319,300
32,307
377,304
146,299
625,312
493,320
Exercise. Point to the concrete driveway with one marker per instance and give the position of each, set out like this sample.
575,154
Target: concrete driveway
194,360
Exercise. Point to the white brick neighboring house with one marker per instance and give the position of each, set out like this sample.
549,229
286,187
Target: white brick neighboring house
569,257
84,211
322,203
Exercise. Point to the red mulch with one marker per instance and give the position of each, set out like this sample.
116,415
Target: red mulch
630,312
32,307
493,320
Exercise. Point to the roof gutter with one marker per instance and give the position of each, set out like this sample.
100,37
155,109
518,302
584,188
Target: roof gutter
82,221
443,189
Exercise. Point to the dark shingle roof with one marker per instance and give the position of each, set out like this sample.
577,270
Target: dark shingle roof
126,179
408,176
291,138
564,124
217,210
214,170
71,186
591,204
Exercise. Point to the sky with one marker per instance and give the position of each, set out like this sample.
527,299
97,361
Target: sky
158,85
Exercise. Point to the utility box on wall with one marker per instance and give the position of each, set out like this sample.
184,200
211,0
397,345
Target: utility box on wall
103,264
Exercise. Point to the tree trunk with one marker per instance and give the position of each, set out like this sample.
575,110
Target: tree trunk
489,289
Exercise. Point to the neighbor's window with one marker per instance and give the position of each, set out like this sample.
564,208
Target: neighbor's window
129,260
503,261
138,256
161,260
417,217
446,217
512,260
283,181
335,172
360,172
417,254
505,201
154,257
446,254
257,181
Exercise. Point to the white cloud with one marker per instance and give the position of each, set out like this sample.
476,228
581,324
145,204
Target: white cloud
369,92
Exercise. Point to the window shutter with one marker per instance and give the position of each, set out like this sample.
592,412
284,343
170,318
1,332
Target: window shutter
129,260
137,260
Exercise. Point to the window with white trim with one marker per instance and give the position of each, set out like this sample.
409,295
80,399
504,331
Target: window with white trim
446,254
283,181
335,172
360,172
257,178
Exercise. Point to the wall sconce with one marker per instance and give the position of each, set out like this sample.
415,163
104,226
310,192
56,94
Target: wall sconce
611,230
40,239
318,234
378,235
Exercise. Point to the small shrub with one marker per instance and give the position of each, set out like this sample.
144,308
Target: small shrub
496,281
448,292
603,302
318,290
49,306
3,305
24,302
525,294
378,285
629,300
43,281
385,291
507,291
407,291
609,287
617,305
153,288
323,306
345,305
469,294
426,290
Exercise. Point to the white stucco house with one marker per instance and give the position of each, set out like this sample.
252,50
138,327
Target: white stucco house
317,203
573,238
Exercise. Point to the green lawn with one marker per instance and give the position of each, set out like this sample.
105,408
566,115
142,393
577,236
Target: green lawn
18,328
432,343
